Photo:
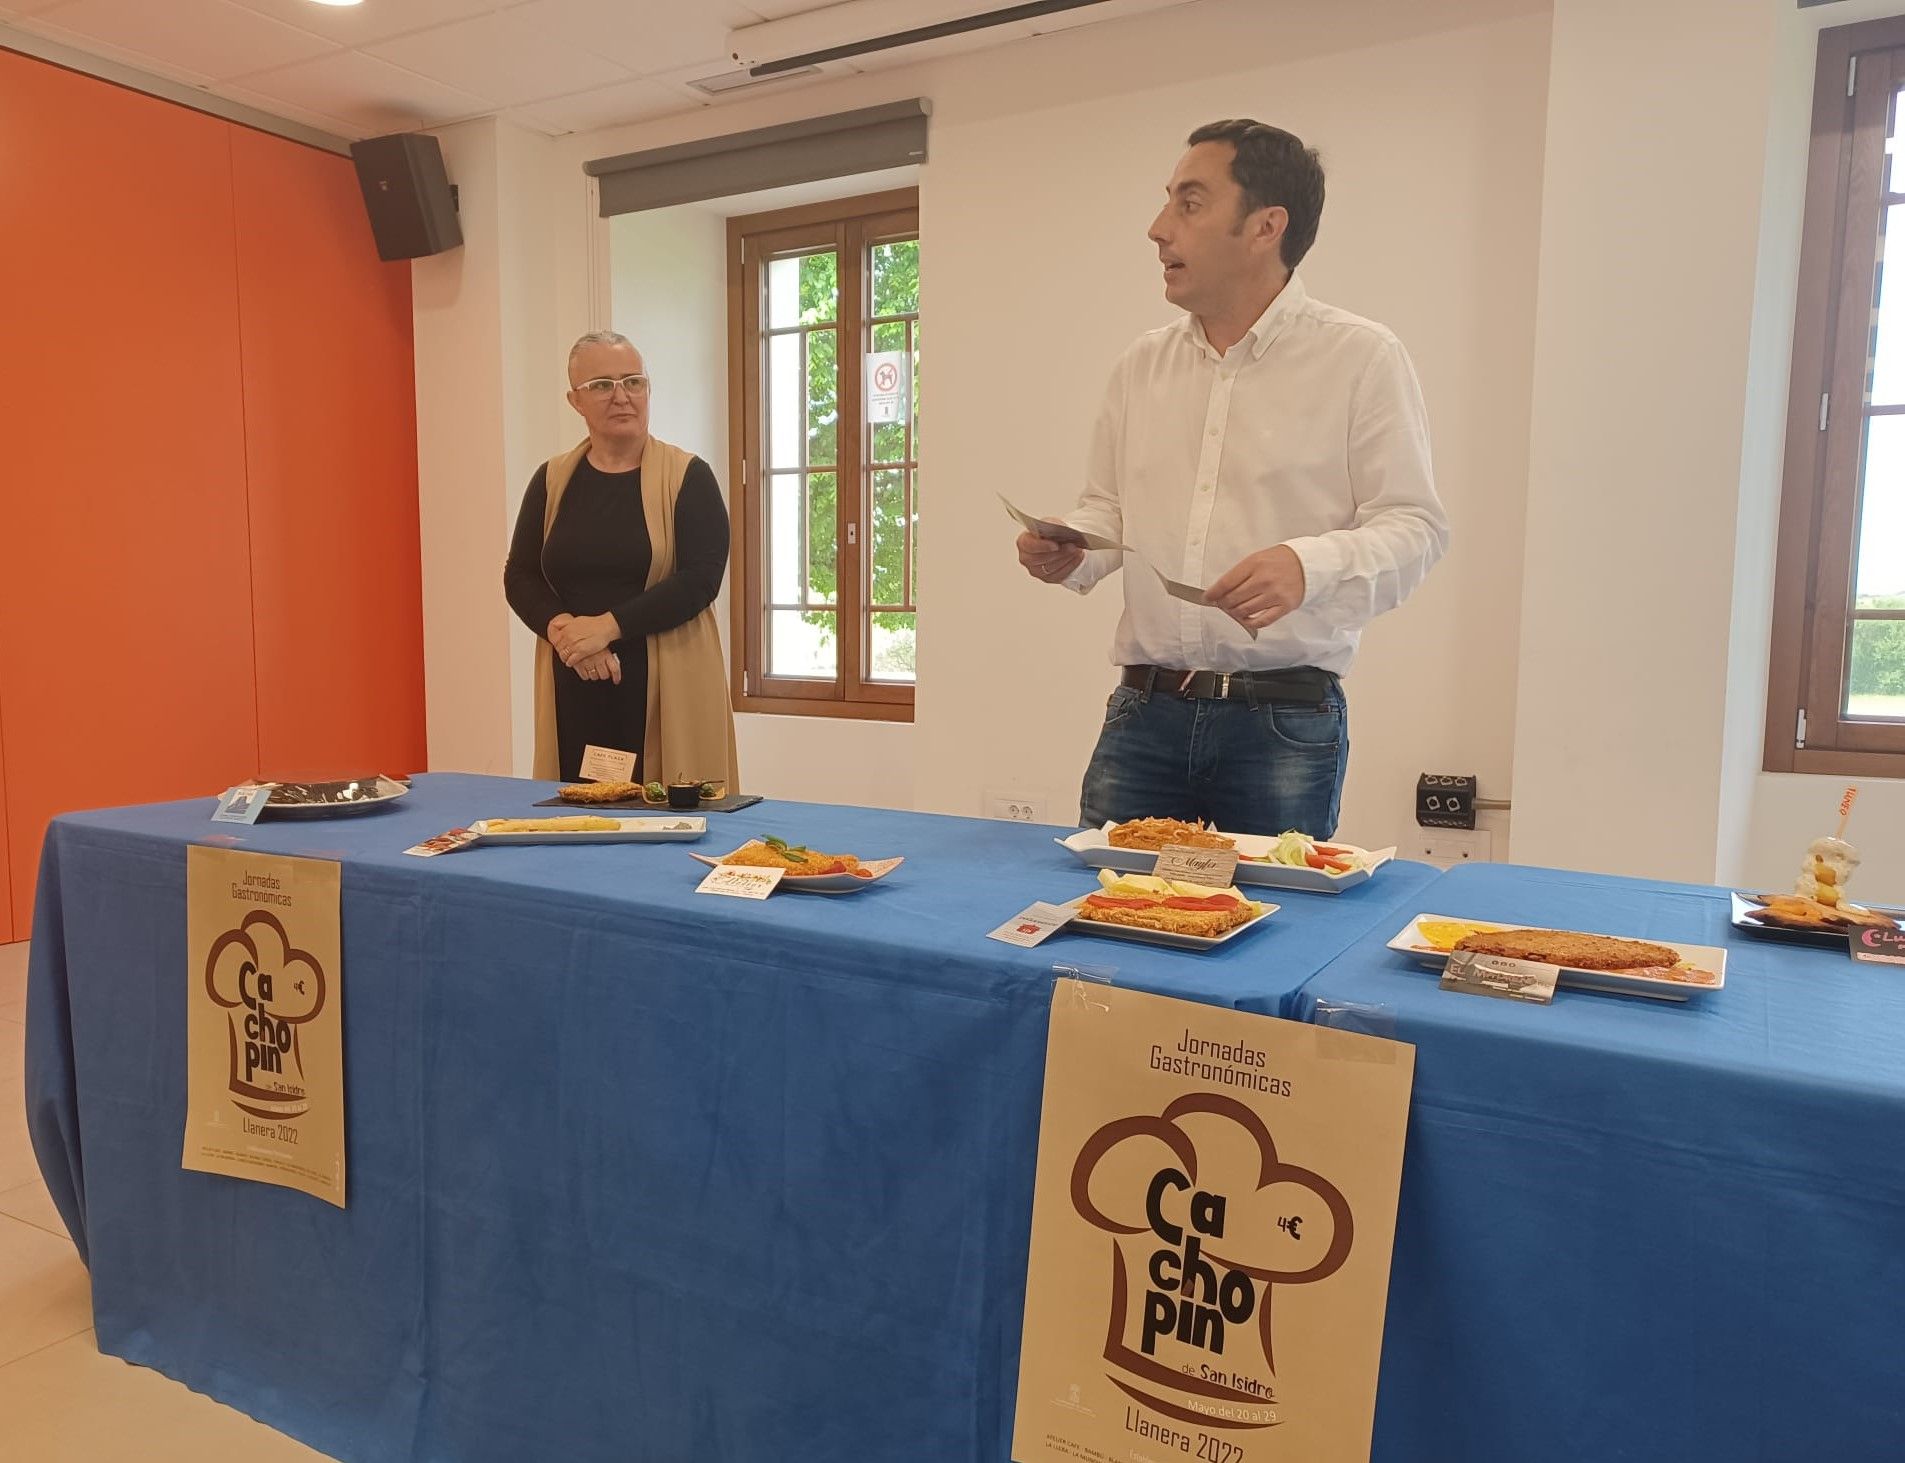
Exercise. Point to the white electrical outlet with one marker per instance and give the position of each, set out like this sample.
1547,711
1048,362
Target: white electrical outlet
1447,847
1015,807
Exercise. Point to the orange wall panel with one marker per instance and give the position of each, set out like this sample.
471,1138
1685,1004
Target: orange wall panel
7,932
125,584
331,459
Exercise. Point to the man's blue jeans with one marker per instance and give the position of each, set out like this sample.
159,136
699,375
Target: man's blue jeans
1244,768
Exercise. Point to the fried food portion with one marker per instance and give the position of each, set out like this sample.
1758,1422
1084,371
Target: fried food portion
552,825
800,863
1565,947
600,792
1153,834
1208,917
1793,912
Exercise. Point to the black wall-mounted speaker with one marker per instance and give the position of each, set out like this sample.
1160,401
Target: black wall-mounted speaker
411,204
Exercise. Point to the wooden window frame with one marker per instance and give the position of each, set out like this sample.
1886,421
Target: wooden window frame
1860,68
853,226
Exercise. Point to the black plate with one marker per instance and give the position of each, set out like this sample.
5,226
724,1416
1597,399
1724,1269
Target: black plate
1834,939
732,803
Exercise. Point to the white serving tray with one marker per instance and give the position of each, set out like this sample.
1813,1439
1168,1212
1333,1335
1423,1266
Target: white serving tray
1709,958
875,870
1092,846
633,830
1167,938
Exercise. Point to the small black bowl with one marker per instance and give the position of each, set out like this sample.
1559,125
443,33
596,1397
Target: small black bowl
684,794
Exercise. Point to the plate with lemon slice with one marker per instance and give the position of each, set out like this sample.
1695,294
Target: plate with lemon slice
1694,969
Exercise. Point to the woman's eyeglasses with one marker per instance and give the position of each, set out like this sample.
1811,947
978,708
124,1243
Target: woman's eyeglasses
605,385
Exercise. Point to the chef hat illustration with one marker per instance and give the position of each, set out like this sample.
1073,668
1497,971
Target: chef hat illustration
1281,1224
259,947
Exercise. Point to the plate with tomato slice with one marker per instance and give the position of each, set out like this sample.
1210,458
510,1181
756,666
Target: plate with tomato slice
1169,906
1327,868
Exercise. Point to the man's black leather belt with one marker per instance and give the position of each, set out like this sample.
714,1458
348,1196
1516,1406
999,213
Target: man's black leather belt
1305,685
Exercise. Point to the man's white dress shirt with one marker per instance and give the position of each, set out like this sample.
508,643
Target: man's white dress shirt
1311,432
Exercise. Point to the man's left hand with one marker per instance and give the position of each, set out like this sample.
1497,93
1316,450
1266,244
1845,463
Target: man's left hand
584,636
1262,588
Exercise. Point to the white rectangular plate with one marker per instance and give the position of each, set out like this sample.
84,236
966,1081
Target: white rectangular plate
633,830
1160,937
1711,958
876,869
1091,846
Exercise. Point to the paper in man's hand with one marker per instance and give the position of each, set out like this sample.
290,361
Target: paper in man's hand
1060,533
1189,593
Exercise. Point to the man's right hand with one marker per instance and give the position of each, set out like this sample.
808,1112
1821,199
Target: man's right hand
1047,561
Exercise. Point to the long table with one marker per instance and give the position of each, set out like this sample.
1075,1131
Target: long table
1653,1233
633,1174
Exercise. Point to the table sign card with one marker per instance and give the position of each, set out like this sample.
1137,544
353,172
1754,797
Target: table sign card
1878,947
444,843
1034,925
605,764
1211,1230
241,804
1496,975
1214,867
264,1030
741,881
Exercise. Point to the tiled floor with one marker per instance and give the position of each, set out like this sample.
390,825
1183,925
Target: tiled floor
60,1400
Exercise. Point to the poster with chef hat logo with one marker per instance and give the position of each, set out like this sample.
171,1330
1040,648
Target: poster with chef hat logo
1211,1233
264,1030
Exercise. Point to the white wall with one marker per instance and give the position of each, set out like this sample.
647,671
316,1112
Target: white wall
1046,160
1433,149
461,492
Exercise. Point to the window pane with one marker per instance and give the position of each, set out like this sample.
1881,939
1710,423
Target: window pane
783,401
1895,145
1875,679
889,442
783,538
1888,327
916,389
896,278
889,537
802,643
823,397
819,288
823,531
912,589
890,648
1880,580
783,293
890,337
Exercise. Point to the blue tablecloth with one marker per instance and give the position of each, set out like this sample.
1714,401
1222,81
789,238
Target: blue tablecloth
633,1175
1638,1231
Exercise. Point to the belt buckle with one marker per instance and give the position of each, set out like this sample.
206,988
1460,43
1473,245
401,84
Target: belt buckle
1223,687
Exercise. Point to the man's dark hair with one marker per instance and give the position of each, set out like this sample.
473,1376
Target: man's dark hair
1275,170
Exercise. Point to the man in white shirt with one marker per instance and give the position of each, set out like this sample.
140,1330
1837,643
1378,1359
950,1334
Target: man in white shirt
1274,451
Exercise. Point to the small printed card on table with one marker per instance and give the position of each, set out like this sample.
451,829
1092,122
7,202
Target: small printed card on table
1496,975
1212,867
444,843
605,764
241,804
741,881
1878,947
1033,925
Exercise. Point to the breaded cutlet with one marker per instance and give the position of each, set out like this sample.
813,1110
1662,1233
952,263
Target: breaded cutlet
1565,947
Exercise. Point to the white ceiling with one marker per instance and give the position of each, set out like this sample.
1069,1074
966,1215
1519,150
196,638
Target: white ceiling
394,65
